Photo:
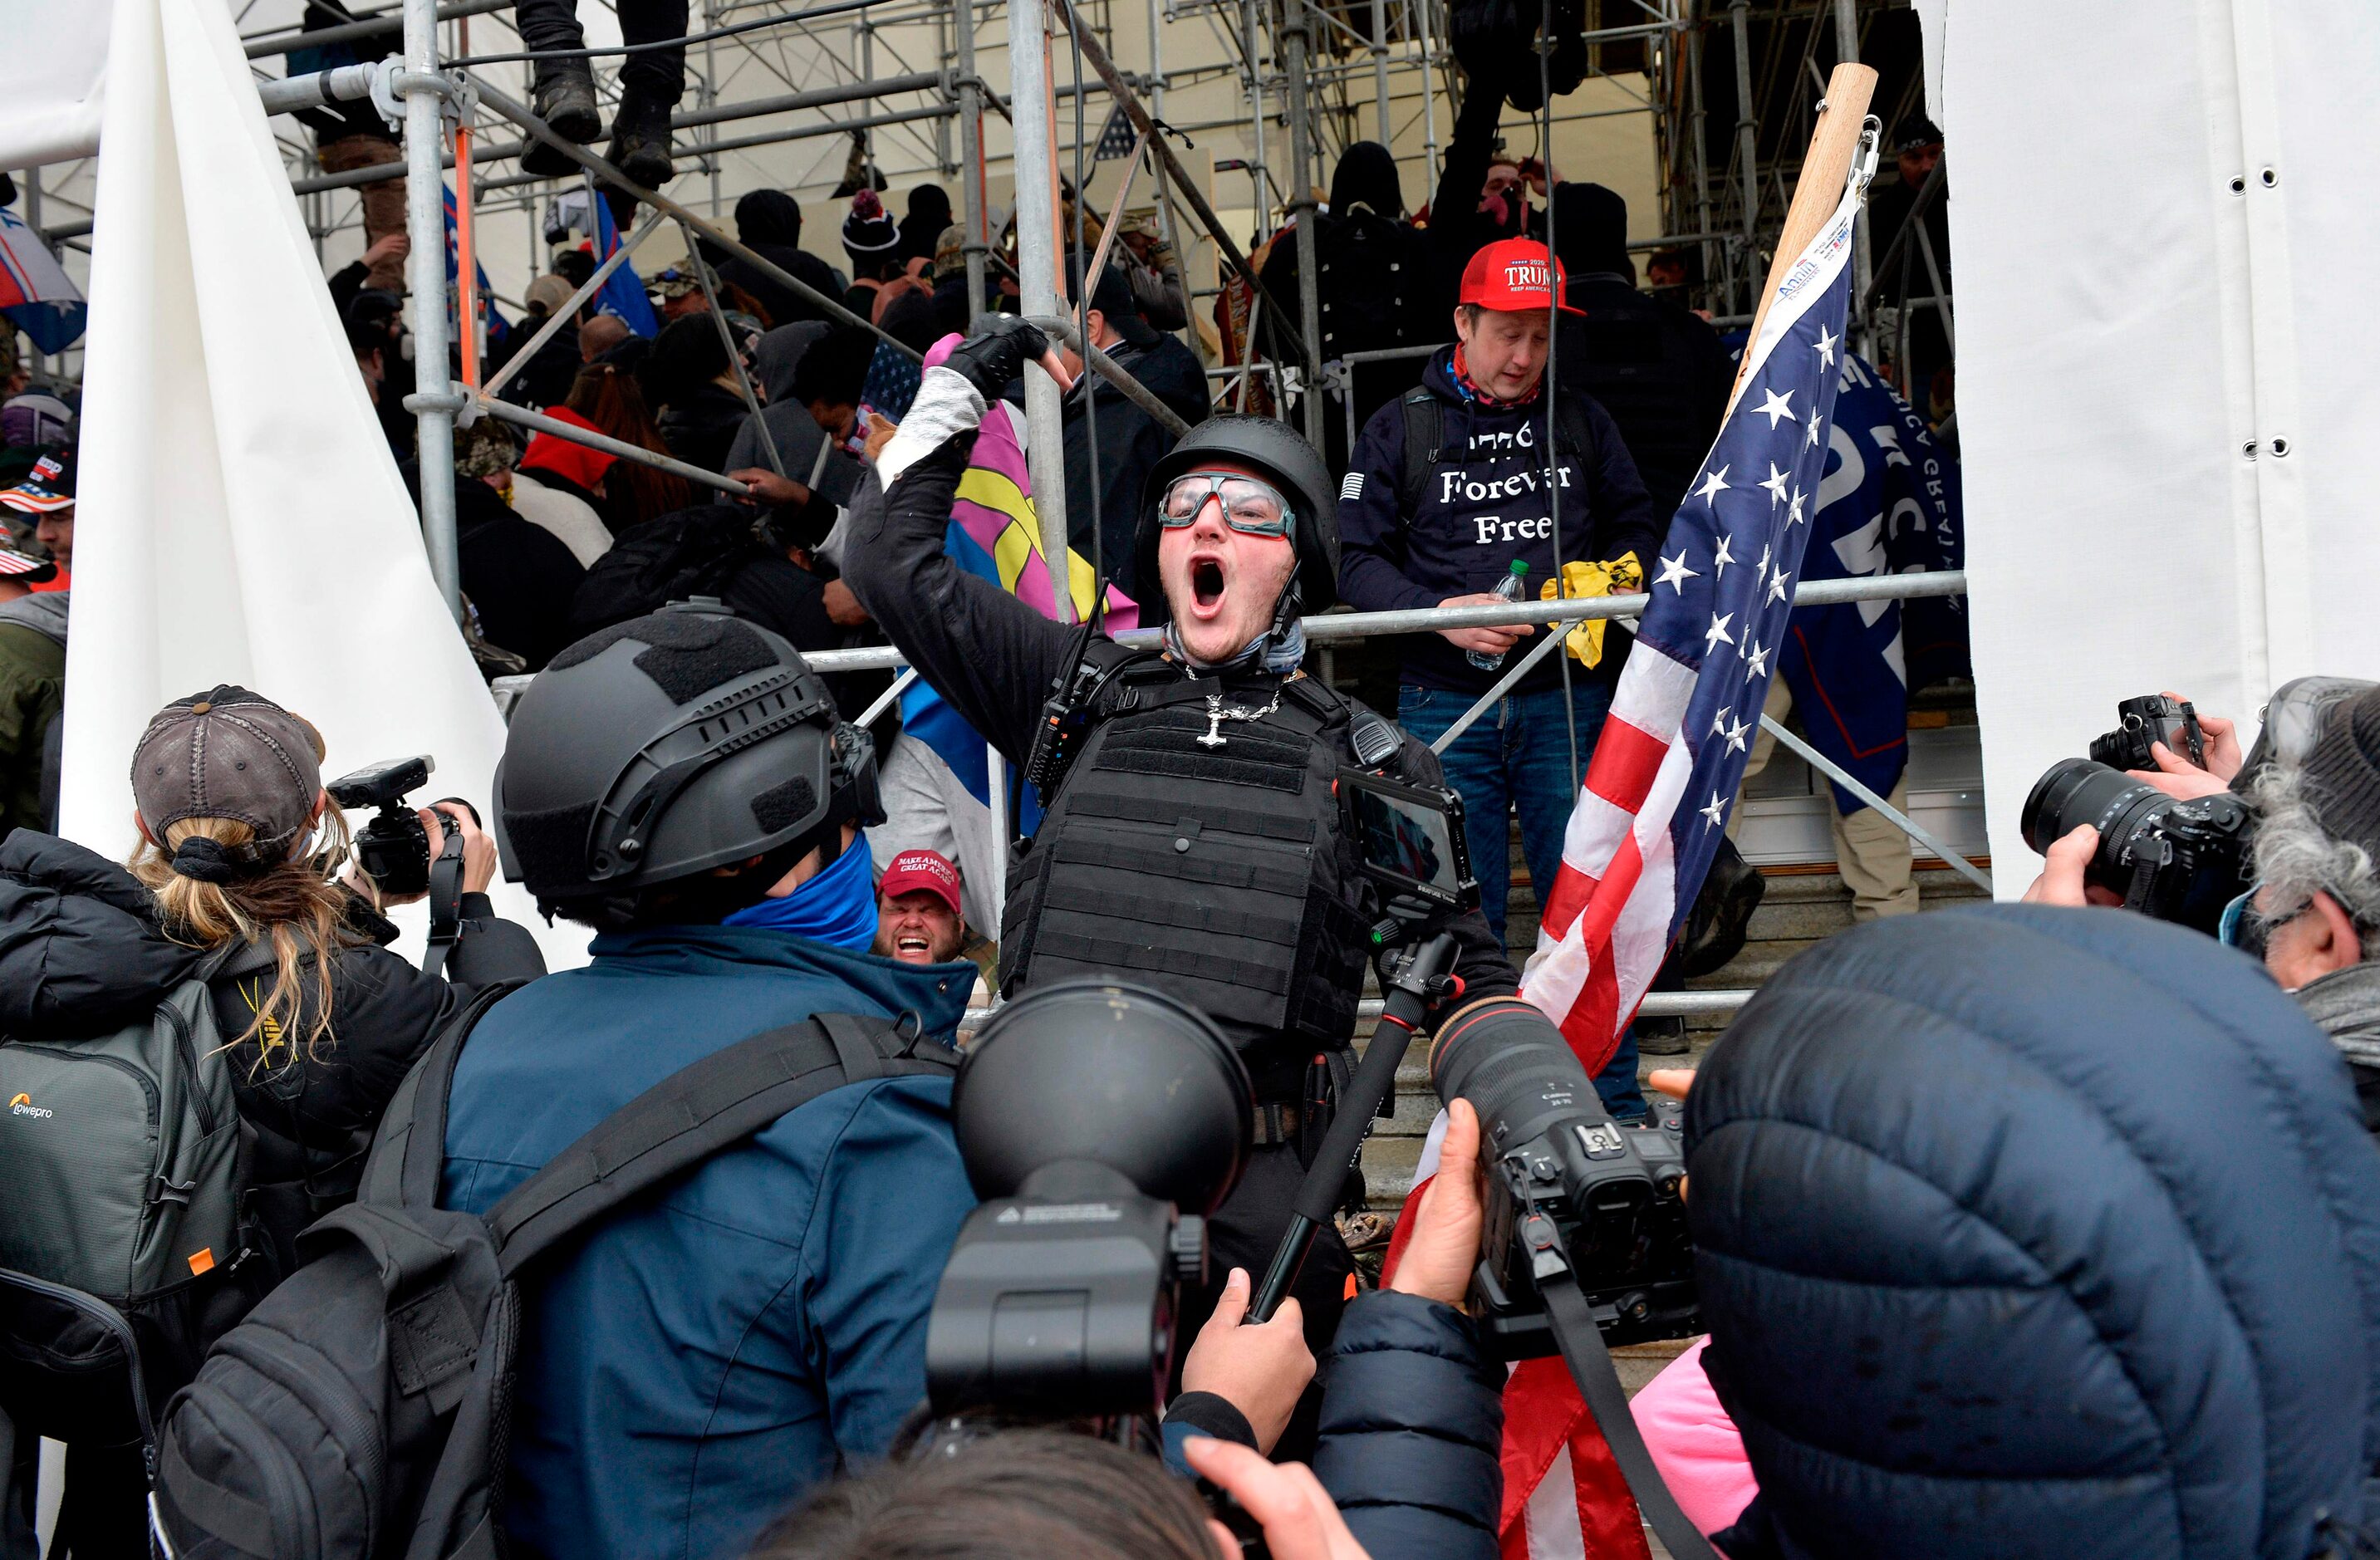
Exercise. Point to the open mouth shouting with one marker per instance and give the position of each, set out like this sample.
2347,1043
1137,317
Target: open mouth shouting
914,947
1209,585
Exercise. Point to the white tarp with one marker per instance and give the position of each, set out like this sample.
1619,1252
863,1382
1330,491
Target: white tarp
51,65
2167,225
240,519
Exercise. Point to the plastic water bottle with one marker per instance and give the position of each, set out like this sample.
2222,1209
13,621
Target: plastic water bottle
1510,589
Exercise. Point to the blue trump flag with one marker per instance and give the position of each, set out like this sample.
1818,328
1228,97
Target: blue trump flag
623,292
1887,503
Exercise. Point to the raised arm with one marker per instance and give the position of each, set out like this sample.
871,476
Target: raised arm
987,653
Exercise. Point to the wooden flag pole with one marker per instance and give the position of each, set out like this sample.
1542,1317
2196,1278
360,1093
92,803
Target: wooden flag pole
1825,168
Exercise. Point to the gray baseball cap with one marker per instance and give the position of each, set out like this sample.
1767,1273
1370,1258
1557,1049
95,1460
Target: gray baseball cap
229,753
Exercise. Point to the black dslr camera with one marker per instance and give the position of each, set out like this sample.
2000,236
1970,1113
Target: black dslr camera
1101,1123
2176,860
393,850
2144,721
1573,1199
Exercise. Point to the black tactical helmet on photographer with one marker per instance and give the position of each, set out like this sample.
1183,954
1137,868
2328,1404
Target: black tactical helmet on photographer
666,746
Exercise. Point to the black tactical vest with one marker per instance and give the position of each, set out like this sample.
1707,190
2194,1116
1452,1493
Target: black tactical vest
1203,857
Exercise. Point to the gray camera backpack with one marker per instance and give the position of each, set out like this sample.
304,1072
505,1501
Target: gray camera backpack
361,1411
125,1165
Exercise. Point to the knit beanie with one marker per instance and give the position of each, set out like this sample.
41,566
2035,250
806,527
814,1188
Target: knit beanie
2342,771
870,232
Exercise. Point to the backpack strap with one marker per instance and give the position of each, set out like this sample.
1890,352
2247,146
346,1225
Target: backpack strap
698,1111
395,1175
1425,426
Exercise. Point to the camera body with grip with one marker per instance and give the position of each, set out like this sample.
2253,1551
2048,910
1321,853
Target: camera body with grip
1572,1196
393,850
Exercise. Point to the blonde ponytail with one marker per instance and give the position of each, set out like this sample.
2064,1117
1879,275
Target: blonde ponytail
293,907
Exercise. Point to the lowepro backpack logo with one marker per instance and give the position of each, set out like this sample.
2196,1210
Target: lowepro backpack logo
23,1106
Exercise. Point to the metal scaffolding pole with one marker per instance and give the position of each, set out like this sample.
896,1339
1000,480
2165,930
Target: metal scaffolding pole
1863,273
974,199
1293,38
1380,70
1032,111
433,402
1747,149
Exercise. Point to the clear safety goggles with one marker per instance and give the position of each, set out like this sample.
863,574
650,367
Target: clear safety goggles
1251,507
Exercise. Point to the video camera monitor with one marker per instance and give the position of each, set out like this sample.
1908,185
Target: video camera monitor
1411,840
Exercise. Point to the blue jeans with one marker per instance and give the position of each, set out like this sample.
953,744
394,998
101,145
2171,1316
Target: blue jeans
1516,758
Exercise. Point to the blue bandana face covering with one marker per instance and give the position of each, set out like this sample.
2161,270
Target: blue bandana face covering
837,907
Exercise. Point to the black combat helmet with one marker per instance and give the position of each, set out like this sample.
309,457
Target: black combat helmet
1274,449
667,745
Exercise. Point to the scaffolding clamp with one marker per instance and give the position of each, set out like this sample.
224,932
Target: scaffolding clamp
452,401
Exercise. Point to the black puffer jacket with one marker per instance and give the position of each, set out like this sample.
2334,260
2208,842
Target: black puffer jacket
1412,1423
2035,1232
81,952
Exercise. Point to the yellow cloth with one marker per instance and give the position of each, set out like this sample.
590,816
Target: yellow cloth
1621,576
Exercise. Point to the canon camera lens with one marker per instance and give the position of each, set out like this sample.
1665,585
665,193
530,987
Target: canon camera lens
1509,1060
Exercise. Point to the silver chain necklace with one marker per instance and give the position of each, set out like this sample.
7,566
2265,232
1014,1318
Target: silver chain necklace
1218,712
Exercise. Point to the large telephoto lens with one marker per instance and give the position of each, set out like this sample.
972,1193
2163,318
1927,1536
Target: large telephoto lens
2075,792
1509,1060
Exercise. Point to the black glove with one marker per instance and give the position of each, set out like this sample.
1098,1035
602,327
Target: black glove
996,351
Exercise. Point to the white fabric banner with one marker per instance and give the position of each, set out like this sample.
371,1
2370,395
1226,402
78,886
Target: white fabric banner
51,69
2167,225
240,519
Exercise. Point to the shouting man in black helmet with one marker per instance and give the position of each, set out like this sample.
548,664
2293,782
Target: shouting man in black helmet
1190,837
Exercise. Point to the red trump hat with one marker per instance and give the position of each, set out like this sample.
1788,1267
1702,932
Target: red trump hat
927,871
1510,276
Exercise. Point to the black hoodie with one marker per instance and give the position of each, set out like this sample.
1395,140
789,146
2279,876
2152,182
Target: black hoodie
769,223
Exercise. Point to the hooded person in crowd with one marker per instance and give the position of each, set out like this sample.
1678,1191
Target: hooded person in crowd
921,229
1657,367
693,381
2025,1231
1372,287
769,223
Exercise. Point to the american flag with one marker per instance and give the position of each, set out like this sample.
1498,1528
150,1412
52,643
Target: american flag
1665,769
1657,796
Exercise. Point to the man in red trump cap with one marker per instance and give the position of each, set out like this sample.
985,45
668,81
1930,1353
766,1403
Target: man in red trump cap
918,915
1480,484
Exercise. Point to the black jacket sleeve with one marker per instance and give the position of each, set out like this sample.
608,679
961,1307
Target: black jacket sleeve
1456,200
344,283
1412,1425
992,656
1624,520
1479,957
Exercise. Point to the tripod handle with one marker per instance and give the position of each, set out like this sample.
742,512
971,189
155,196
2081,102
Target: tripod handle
1407,1005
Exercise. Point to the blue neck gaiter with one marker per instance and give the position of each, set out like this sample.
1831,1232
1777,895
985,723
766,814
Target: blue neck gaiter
837,907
